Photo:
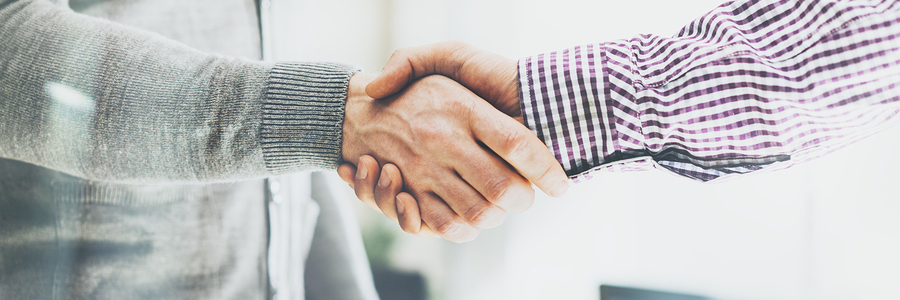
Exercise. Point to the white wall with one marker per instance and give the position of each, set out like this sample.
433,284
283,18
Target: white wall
828,229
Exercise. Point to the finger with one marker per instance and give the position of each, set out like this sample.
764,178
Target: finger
387,197
469,203
408,213
390,183
519,147
491,76
494,180
367,172
397,74
407,65
411,222
347,171
444,222
409,217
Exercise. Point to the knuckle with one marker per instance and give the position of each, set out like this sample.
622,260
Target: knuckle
428,132
478,214
512,143
496,188
465,107
460,107
547,172
449,228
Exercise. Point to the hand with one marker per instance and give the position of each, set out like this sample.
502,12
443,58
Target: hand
491,76
387,188
445,138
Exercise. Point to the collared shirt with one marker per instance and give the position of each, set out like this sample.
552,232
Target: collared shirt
752,85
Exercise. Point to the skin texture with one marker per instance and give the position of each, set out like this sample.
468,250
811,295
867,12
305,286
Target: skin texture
383,188
453,147
491,77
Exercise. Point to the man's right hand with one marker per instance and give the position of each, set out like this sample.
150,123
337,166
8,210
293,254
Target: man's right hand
456,152
490,76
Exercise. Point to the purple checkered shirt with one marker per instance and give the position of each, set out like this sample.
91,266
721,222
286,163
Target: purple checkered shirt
751,85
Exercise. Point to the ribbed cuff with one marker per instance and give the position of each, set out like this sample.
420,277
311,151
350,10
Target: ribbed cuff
303,116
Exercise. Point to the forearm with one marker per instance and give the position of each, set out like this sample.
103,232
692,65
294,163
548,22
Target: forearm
750,86
103,101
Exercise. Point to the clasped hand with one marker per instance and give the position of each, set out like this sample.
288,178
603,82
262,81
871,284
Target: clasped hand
465,162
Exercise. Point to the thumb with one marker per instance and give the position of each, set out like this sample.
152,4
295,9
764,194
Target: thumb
408,64
396,75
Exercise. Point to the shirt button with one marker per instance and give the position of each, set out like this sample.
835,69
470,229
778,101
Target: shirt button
274,186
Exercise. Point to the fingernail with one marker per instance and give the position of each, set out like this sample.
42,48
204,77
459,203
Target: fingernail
401,210
560,189
385,180
361,172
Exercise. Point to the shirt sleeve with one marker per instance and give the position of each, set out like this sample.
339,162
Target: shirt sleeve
751,85
103,101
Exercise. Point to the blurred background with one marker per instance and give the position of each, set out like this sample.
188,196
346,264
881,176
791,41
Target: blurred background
829,229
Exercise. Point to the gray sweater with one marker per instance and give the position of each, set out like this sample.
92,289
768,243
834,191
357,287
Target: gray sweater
127,159
98,100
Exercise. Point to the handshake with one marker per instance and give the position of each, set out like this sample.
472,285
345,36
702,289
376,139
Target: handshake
444,156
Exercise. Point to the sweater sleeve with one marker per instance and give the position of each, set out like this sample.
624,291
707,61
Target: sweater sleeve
103,101
753,85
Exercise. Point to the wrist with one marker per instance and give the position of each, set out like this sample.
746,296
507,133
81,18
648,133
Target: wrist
356,91
354,109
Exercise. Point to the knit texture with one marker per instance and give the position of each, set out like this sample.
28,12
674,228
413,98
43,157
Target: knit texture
303,113
111,138
102,101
